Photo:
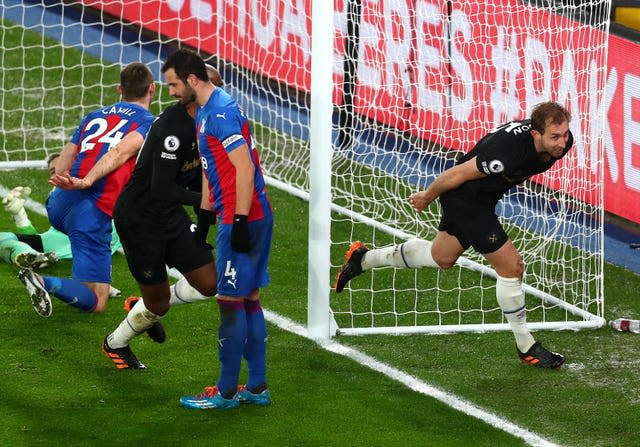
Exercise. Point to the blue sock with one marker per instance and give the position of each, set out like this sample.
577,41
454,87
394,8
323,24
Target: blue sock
72,292
232,336
255,351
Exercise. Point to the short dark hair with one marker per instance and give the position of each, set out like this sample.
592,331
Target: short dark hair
135,80
551,112
51,157
185,62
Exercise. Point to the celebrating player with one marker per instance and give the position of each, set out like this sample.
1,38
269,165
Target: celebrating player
234,188
156,230
469,193
93,168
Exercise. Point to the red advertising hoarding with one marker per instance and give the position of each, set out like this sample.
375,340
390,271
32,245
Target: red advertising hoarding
425,68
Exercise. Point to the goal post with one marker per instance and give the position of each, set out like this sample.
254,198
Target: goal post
353,108
450,72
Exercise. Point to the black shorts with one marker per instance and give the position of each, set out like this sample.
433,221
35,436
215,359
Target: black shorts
32,240
473,226
148,246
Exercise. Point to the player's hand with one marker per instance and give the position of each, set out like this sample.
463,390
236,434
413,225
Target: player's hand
240,242
13,202
206,218
419,200
65,181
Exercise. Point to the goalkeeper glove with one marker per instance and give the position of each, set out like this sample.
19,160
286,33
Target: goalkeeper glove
206,218
14,201
240,234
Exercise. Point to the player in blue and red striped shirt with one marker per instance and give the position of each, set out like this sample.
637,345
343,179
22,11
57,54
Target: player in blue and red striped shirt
93,168
234,188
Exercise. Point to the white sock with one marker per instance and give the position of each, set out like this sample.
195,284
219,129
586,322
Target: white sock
138,320
510,298
414,253
182,292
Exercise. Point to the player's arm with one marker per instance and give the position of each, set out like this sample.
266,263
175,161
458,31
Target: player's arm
450,179
114,158
240,157
206,218
66,159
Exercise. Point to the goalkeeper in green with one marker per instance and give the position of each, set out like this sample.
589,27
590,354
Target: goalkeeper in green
27,248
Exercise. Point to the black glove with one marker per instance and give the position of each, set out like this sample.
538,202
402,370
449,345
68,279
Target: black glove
240,234
206,218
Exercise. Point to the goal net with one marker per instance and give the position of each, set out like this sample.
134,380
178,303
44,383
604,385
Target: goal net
415,83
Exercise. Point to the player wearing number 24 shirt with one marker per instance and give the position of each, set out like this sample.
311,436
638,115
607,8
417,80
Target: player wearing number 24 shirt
469,193
93,168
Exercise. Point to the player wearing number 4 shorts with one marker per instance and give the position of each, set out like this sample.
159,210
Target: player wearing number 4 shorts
234,189
469,193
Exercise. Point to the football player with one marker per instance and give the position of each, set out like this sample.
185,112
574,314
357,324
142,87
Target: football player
155,229
234,192
27,248
469,193
92,170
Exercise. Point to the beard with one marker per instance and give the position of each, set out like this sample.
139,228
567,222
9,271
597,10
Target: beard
186,100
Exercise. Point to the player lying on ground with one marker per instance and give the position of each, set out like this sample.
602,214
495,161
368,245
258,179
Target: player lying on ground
469,193
27,248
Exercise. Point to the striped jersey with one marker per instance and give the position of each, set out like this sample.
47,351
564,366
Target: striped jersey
98,132
221,127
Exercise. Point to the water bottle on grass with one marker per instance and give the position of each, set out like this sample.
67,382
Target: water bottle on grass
626,325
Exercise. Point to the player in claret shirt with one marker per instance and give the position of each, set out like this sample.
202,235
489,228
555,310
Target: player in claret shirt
90,174
469,193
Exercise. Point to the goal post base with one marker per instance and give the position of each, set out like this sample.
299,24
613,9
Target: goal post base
595,323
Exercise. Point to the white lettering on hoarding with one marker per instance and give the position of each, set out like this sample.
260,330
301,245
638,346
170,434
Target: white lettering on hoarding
428,56
340,24
368,70
537,73
175,5
598,111
398,47
461,107
504,95
198,9
294,24
240,23
631,131
264,34
568,97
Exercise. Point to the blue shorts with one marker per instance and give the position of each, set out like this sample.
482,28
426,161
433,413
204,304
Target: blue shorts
89,229
240,273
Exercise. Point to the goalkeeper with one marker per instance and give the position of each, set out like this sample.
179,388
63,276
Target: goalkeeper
27,248
469,193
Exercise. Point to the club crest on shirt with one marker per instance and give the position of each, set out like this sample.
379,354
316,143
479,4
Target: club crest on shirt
496,166
171,143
